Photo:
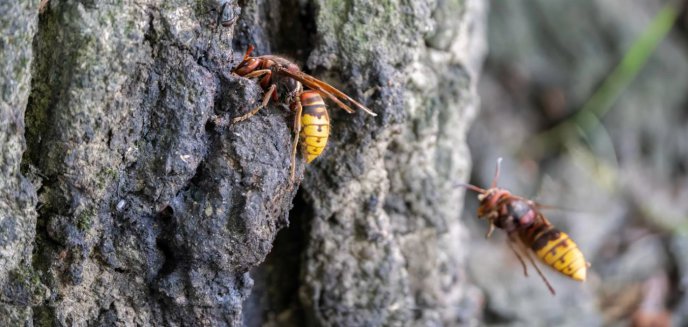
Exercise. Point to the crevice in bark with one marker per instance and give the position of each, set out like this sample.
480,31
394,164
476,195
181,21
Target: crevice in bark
275,294
44,94
293,36
286,28
163,243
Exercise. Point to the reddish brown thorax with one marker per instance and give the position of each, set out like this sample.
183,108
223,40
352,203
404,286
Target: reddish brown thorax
246,66
286,87
505,210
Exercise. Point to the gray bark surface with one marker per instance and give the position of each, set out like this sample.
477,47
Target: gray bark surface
145,207
19,286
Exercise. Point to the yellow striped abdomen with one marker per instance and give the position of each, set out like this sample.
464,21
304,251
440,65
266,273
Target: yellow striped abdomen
315,125
557,250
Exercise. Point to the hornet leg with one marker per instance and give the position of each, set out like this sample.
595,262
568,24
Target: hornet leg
544,279
520,259
266,99
297,132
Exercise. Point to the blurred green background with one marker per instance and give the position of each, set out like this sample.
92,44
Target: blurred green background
587,102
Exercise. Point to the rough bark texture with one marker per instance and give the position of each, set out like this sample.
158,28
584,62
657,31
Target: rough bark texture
147,208
19,286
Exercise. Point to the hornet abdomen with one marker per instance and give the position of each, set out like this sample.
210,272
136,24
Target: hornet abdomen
556,249
315,124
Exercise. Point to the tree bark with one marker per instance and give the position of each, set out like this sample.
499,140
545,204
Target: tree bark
19,286
145,207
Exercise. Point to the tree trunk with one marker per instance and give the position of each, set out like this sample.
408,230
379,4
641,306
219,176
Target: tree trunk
137,204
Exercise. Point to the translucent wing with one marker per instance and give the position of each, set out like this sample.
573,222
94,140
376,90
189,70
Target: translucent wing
326,89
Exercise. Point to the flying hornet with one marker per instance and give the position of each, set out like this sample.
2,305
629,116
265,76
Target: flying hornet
529,231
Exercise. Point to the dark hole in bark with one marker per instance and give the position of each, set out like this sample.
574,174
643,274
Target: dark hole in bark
278,278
